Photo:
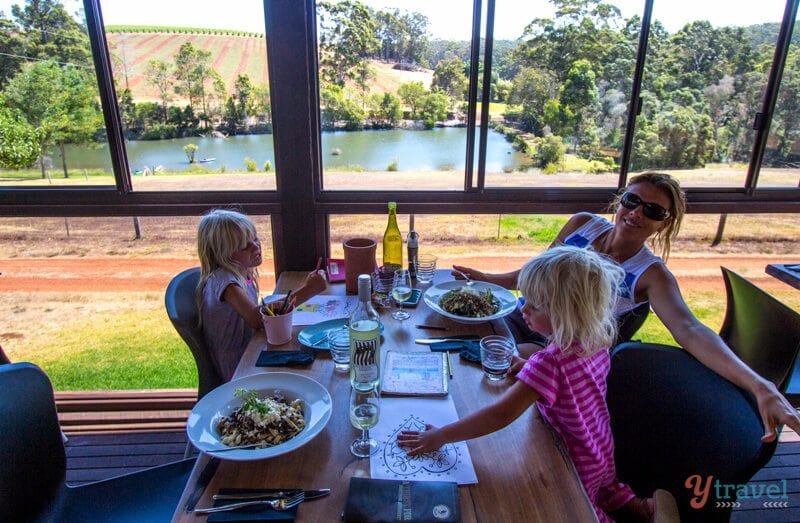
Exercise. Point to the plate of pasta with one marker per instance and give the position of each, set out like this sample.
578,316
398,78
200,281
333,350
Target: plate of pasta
268,414
477,302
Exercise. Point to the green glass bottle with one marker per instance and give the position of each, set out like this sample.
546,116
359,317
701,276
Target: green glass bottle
393,241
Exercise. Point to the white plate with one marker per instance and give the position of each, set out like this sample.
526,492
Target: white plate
508,302
202,425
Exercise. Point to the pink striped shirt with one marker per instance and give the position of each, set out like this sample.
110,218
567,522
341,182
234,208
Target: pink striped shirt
572,392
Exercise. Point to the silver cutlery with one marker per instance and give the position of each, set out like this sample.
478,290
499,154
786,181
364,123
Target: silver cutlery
249,446
309,495
469,283
320,340
275,504
429,341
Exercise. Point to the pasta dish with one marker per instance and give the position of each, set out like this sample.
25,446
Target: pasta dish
263,422
470,304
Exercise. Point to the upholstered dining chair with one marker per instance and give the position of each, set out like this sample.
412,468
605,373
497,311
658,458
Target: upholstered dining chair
761,330
33,465
182,311
677,423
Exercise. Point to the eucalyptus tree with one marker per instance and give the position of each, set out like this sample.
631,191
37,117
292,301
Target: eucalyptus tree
11,43
19,143
159,74
347,37
51,33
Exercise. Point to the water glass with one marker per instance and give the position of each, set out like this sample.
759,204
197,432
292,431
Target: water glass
339,343
382,280
496,353
425,267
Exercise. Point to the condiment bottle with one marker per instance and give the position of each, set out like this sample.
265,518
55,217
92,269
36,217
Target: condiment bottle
412,244
393,241
365,339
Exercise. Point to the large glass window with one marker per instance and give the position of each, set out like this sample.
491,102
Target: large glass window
393,83
561,85
705,76
50,115
191,82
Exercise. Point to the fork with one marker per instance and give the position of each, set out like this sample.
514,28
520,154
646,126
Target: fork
275,504
469,282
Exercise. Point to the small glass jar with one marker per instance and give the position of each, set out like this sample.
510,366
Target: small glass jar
339,343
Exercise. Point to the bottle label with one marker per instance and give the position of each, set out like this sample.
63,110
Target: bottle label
363,360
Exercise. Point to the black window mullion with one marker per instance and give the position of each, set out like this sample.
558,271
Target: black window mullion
763,118
108,95
486,93
635,102
472,93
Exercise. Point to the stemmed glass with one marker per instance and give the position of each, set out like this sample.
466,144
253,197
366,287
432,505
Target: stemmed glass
365,407
401,291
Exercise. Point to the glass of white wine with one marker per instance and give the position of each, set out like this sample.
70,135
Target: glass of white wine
365,408
401,291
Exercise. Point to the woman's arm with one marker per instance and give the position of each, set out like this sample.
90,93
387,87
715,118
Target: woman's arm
704,344
237,298
484,421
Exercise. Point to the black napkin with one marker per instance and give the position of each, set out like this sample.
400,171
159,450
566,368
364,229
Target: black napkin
257,513
280,358
470,350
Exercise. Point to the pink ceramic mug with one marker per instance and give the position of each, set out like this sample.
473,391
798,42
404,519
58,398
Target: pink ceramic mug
359,258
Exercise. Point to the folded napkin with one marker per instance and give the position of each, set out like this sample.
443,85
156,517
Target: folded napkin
470,350
280,358
257,513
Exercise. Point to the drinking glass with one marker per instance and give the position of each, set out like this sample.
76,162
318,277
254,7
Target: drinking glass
496,355
425,265
364,413
339,343
401,291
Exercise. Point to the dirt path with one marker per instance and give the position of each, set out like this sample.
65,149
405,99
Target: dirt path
153,274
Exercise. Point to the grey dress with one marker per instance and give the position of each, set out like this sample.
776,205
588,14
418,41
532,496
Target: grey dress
226,332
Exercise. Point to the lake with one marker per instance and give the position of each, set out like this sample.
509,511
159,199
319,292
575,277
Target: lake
442,148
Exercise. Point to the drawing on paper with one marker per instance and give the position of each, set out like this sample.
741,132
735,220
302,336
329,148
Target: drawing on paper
327,308
438,463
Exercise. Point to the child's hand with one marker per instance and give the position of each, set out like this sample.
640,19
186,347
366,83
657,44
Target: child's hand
420,442
315,282
516,365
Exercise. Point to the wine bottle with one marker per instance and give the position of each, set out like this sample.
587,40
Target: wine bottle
412,243
365,339
392,241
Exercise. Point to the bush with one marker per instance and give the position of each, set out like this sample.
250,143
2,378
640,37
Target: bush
551,151
550,168
267,166
222,169
250,164
392,165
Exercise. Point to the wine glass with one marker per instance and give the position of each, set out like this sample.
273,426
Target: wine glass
401,291
364,413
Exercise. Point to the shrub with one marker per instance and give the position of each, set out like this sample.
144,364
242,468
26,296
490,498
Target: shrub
551,151
267,166
249,164
392,165
222,169
550,168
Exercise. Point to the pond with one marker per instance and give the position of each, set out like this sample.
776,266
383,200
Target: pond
437,149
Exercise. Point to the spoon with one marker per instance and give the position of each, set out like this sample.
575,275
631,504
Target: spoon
469,283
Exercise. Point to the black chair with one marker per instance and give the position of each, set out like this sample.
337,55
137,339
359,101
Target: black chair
761,330
673,418
33,465
182,312
630,322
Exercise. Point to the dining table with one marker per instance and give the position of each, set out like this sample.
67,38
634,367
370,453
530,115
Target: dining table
786,272
524,472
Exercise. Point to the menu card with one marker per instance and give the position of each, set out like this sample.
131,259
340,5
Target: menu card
415,374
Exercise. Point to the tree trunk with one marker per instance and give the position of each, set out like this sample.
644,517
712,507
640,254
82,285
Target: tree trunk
41,163
720,230
137,228
63,159
66,225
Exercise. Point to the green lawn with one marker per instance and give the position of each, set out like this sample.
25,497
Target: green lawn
141,350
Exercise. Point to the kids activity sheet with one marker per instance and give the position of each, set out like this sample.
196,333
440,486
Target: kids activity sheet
321,307
450,463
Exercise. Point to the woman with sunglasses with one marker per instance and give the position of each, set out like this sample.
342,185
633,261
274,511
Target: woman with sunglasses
651,211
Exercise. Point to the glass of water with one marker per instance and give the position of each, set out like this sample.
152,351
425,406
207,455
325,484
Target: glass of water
339,344
425,266
496,354
365,409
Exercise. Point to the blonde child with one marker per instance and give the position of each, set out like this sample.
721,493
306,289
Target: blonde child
227,294
570,295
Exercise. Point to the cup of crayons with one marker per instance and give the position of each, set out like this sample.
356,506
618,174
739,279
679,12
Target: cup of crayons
277,318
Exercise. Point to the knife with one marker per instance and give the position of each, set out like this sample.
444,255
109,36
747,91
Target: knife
428,341
202,482
310,494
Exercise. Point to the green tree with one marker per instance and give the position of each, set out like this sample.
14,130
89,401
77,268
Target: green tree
19,144
531,89
433,109
51,33
190,149
450,76
81,111
385,110
11,43
412,93
159,74
243,94
346,38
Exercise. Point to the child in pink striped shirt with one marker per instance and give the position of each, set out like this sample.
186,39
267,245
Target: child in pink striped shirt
570,295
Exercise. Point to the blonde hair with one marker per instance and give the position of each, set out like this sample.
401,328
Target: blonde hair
220,234
661,241
577,289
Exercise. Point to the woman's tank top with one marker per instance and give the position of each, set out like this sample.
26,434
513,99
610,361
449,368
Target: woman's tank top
634,266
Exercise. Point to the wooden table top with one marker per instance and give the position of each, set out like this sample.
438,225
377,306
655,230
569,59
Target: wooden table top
786,272
523,472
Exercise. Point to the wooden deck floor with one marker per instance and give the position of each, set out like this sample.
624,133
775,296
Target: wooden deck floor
92,457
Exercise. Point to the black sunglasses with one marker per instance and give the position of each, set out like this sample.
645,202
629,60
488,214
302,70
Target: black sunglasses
652,210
